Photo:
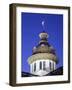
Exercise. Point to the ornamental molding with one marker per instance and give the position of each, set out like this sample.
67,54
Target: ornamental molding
39,56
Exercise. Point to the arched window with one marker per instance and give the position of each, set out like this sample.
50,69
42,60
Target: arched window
50,66
40,65
34,67
44,65
53,66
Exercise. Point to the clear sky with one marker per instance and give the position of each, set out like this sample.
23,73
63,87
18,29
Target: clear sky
31,27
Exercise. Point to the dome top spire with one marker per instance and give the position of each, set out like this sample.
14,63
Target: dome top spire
43,24
43,34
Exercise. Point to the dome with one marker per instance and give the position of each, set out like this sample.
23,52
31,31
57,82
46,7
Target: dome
43,50
43,59
43,46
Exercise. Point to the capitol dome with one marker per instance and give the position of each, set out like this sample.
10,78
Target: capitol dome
43,59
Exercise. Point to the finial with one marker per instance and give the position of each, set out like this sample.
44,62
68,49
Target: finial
43,35
43,24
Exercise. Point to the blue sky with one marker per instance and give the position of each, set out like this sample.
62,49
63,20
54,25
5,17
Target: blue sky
31,27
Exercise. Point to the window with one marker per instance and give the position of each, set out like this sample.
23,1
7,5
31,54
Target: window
50,65
40,65
53,65
34,67
44,65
